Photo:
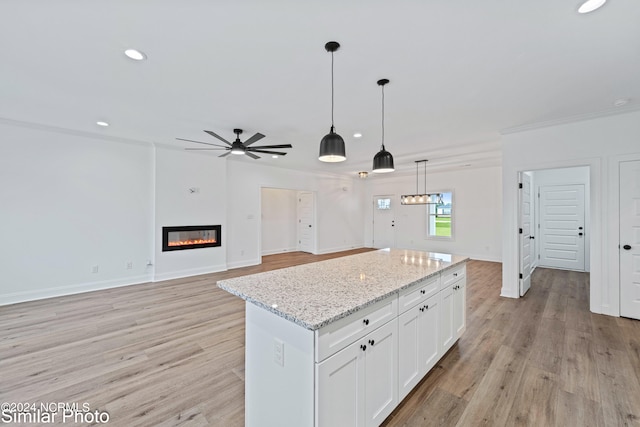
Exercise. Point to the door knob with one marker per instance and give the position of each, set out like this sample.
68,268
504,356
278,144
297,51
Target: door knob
579,234
579,228
626,247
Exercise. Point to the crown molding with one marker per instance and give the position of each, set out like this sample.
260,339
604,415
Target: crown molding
570,119
74,132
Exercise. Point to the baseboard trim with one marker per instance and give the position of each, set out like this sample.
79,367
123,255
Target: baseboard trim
179,274
59,291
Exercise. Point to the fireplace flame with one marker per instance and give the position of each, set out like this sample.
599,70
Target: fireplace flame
192,242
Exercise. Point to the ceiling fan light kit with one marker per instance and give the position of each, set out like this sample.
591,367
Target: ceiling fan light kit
238,147
383,160
332,145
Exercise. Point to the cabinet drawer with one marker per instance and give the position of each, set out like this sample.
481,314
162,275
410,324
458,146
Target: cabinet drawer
418,292
453,275
339,334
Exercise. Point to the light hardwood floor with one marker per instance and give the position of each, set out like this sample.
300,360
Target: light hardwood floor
172,353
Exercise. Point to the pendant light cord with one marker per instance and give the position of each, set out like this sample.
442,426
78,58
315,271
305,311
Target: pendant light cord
425,177
383,117
332,127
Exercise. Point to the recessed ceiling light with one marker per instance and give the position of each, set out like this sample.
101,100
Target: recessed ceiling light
591,5
103,124
621,102
135,54
357,135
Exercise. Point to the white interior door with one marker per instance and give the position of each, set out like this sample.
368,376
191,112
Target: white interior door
383,222
562,227
630,239
524,231
306,232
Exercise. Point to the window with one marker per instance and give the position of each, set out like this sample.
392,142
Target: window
440,217
384,204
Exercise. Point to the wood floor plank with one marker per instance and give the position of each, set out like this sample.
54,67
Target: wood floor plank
499,386
535,403
579,371
572,407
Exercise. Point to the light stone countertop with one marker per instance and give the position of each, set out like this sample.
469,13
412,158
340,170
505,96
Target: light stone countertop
316,294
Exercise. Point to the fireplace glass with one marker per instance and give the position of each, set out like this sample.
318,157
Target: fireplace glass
190,237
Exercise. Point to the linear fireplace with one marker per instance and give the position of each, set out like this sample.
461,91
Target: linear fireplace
191,237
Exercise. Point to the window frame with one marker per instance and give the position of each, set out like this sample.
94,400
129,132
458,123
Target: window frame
429,214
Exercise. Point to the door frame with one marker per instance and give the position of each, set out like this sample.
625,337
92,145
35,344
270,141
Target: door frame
521,236
314,244
599,302
614,226
373,216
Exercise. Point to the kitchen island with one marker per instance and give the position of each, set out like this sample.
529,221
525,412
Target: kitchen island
343,341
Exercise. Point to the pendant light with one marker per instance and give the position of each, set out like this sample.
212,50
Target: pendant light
421,198
383,160
332,145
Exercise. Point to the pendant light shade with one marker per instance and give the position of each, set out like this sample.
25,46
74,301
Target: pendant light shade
332,148
383,160
332,145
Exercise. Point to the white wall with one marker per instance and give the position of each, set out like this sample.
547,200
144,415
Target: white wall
476,211
339,208
279,220
69,202
564,176
176,172
596,143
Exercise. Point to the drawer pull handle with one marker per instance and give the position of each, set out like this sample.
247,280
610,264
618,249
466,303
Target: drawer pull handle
365,321
455,274
422,291
363,347
426,307
421,308
372,342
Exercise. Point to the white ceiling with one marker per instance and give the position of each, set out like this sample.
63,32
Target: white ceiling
462,72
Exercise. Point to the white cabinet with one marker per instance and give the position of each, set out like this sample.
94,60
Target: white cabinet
418,343
459,289
355,370
446,319
453,302
358,385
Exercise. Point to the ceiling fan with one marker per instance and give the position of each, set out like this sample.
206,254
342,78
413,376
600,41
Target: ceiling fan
238,147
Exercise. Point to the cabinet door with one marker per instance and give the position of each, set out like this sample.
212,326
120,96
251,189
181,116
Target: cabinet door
409,365
381,373
418,344
429,334
459,307
340,390
446,319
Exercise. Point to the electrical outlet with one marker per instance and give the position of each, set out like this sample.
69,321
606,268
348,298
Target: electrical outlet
278,352
94,269
129,265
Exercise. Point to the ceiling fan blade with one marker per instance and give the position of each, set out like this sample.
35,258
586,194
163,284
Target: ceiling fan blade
200,142
257,137
218,136
253,156
204,149
279,153
225,154
274,146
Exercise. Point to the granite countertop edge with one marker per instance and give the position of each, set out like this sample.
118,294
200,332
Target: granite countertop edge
341,315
